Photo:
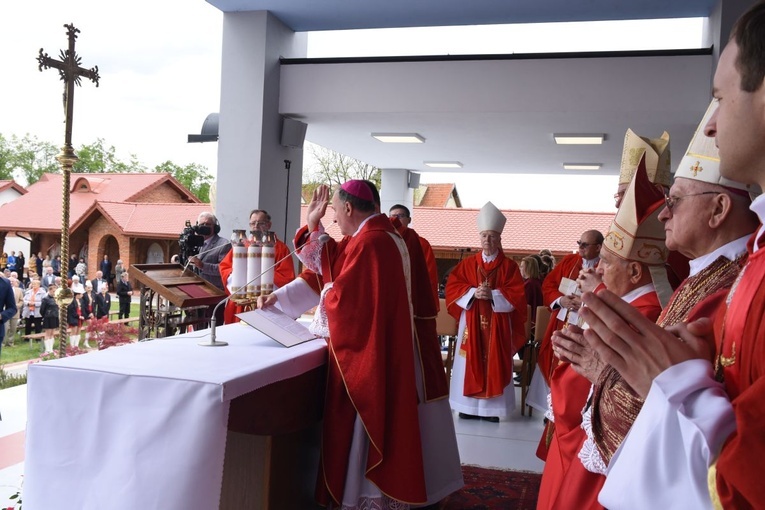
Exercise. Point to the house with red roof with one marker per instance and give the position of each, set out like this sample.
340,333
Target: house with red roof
134,217
437,195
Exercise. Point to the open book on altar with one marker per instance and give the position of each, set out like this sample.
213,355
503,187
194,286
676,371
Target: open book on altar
276,324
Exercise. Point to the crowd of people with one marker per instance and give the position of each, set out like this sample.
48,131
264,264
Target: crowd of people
37,309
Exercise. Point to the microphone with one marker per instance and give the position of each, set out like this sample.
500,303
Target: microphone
202,253
323,238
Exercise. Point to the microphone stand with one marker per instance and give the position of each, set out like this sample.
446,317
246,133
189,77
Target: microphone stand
323,238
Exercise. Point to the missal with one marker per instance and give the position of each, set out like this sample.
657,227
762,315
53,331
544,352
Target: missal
277,325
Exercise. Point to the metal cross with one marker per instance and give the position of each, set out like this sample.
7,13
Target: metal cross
71,73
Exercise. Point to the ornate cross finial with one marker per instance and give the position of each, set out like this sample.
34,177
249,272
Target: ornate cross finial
71,72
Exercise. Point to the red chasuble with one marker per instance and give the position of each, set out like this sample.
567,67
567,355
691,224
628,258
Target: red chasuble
490,340
565,481
371,370
283,274
569,267
741,346
430,261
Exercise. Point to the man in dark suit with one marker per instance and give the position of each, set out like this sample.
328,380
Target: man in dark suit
7,305
103,302
49,278
106,269
124,291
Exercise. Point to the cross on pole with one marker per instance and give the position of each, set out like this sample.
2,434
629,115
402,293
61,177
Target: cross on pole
71,74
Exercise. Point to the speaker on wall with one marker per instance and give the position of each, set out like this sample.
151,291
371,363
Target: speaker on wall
293,133
414,180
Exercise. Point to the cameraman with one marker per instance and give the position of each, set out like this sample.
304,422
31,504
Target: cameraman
213,250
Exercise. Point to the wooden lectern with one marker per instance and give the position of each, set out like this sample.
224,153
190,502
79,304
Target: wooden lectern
167,291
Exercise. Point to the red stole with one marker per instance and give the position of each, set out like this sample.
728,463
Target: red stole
490,340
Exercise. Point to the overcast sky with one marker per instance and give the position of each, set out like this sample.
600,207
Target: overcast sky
159,62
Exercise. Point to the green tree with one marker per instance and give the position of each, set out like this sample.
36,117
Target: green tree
333,168
33,157
194,176
6,159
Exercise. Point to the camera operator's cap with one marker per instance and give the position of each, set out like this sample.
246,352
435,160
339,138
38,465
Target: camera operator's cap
656,152
702,160
491,218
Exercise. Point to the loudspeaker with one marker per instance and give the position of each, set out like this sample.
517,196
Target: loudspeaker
293,133
413,180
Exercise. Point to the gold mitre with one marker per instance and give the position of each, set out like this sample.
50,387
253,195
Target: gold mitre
491,218
636,232
656,151
702,161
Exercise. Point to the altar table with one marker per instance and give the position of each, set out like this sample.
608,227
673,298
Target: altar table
146,425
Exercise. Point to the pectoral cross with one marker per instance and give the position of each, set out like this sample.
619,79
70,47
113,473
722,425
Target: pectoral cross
70,72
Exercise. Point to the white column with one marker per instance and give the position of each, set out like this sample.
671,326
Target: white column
251,169
395,189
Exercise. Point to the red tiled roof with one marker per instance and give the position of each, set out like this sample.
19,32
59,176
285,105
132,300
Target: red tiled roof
149,220
437,195
12,184
525,231
40,209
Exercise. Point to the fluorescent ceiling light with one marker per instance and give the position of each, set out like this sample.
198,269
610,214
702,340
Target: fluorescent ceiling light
582,166
399,137
443,164
579,139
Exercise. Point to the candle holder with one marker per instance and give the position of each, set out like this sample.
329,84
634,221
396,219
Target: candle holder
268,259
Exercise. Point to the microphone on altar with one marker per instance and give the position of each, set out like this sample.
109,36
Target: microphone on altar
323,238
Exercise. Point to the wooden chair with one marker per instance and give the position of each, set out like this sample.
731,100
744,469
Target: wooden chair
446,326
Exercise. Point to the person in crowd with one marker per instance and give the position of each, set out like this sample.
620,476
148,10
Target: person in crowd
7,305
124,293
73,261
105,266
634,243
56,265
684,376
21,262
32,302
98,282
89,305
12,261
103,302
13,323
4,261
48,279
119,268
532,285
213,250
77,313
284,272
485,294
81,269
401,212
50,322
38,263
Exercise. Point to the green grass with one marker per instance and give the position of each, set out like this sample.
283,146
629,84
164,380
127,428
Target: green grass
22,351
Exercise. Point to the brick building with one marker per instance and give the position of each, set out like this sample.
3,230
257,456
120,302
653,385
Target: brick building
133,217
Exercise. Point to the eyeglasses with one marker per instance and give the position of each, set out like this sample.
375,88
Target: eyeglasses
584,245
258,223
672,201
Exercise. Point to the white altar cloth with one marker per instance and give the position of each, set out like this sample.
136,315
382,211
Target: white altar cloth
144,425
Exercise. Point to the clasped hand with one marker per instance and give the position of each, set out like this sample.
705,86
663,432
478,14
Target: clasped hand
483,292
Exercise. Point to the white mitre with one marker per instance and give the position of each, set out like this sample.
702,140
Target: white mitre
702,160
491,218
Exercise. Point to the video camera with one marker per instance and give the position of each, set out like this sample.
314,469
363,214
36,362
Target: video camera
189,242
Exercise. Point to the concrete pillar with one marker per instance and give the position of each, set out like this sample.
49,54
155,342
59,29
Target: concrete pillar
251,169
395,189
720,24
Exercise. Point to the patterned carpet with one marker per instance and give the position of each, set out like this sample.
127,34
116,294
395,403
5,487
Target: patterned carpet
495,489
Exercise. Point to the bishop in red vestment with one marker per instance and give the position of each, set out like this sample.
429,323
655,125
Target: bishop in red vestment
485,294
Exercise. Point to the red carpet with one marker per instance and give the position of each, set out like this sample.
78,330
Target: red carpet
495,489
